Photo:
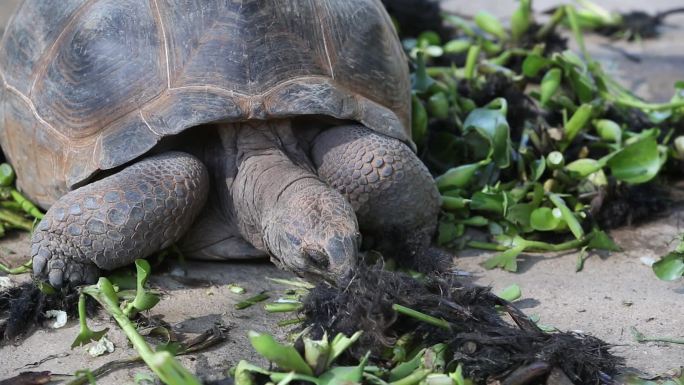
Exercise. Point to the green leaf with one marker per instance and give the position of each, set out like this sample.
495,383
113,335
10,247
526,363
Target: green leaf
506,260
490,24
490,123
85,335
511,293
420,120
344,375
285,357
568,216
534,63
581,168
243,373
520,214
601,241
577,122
457,177
637,163
521,19
143,300
549,85
670,267
252,301
457,46
543,219
438,105
608,130
491,202
341,343
406,368
317,352
447,232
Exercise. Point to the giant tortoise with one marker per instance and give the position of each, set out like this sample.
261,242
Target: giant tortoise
232,128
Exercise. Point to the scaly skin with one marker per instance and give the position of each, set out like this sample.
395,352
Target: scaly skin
285,210
390,189
110,223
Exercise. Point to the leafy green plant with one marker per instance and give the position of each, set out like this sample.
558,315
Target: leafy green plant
530,172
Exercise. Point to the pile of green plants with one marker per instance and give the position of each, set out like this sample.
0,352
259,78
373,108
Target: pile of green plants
535,144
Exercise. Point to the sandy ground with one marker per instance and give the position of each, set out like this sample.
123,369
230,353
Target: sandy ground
614,292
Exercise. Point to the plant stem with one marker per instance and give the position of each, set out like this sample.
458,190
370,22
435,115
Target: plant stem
471,61
24,268
421,316
486,246
163,364
15,220
26,204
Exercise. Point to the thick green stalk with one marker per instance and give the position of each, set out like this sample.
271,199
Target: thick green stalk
163,364
421,316
14,220
26,204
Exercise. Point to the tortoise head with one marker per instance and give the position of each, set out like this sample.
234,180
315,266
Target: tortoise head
315,235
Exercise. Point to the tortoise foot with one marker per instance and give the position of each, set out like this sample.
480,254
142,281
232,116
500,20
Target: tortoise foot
391,191
112,222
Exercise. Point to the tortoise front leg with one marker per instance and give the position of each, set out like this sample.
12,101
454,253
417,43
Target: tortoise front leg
390,189
108,224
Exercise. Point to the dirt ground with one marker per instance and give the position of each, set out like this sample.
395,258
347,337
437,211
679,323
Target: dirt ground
612,294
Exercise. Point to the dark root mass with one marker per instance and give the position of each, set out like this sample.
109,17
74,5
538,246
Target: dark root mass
488,346
630,204
23,307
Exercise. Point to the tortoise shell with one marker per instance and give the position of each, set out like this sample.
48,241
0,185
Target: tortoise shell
89,85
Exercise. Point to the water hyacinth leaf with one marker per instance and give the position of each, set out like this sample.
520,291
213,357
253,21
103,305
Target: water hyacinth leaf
506,260
438,105
637,163
490,202
285,357
243,373
340,344
428,38
568,216
549,85
454,203
521,19
457,46
252,301
490,123
521,214
582,168
601,241
344,375
460,23
404,369
471,61
510,293
317,352
533,64
538,167
420,120
143,299
457,177
543,219
670,267
490,24
608,130
85,335
577,122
